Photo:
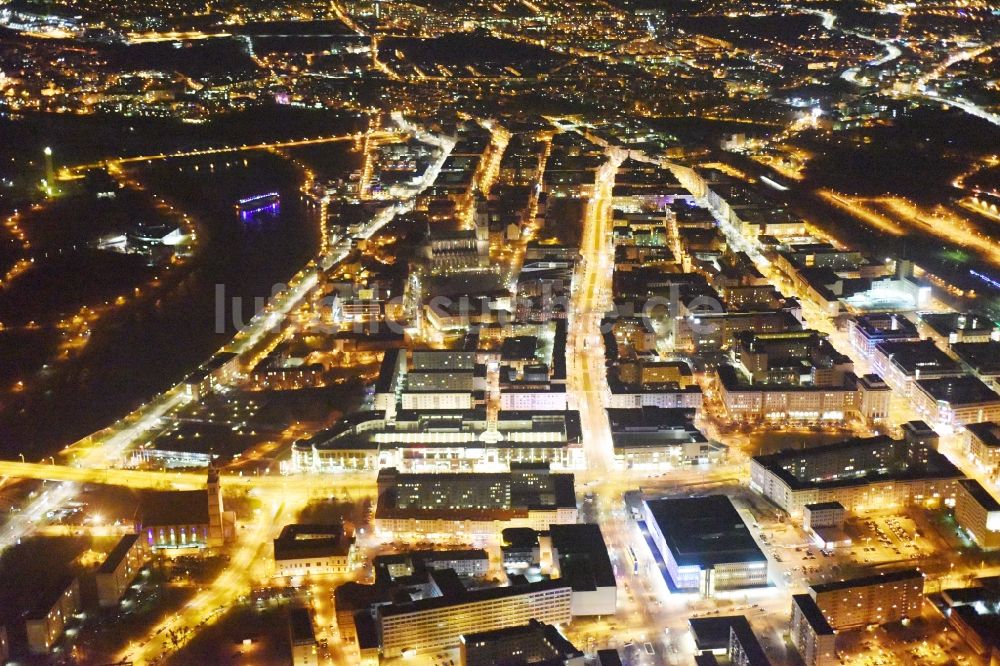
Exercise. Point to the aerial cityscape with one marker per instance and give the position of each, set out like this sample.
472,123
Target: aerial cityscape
500,332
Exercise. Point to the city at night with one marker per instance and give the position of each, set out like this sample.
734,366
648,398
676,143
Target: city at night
499,332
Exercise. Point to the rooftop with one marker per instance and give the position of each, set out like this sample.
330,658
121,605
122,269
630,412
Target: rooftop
173,507
814,616
915,357
469,596
302,540
544,637
117,554
867,581
864,460
703,531
965,390
583,556
824,506
946,323
982,357
987,432
980,494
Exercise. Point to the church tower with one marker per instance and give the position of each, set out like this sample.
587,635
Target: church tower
216,536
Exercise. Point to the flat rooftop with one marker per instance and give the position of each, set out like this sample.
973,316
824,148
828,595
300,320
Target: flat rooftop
469,596
980,494
965,390
583,556
885,325
704,531
864,460
946,323
866,581
297,541
823,506
983,357
987,432
914,357
814,616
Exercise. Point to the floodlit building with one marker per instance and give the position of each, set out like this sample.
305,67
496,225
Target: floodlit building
903,363
705,544
867,331
120,568
531,643
655,437
186,518
811,634
877,599
527,496
444,440
313,550
956,401
438,622
860,474
982,444
866,398
978,513
974,612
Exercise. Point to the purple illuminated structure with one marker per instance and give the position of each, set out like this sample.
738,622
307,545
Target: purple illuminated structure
250,207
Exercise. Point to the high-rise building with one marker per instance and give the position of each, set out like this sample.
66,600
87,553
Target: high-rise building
877,599
811,634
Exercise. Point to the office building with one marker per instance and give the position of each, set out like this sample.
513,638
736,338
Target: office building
877,599
960,327
314,550
439,621
120,568
654,437
705,544
900,364
956,401
524,645
446,440
824,521
867,331
978,513
467,563
861,474
974,612
811,634
982,444
527,496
